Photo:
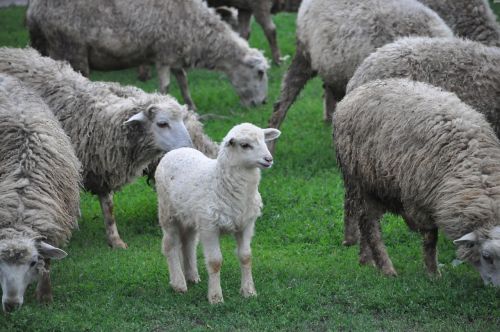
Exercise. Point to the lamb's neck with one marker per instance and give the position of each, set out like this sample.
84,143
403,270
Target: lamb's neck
237,182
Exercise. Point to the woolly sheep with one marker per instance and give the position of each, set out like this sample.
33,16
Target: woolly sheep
471,19
172,34
115,136
39,192
415,150
199,195
334,36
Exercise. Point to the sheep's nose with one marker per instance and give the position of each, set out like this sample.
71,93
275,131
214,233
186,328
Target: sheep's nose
269,159
11,306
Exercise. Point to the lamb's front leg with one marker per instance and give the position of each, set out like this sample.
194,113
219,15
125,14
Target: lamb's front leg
44,287
243,240
114,239
213,260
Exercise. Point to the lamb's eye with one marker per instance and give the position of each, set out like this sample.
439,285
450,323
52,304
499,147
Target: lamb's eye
163,124
487,257
33,263
245,146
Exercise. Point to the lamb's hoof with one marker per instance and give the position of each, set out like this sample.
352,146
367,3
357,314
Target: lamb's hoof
117,244
179,288
248,292
389,271
215,298
45,298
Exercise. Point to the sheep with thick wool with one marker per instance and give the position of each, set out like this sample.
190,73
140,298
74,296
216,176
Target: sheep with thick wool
334,36
172,34
208,197
415,150
116,131
471,19
39,192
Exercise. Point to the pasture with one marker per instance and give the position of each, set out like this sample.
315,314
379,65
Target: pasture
305,278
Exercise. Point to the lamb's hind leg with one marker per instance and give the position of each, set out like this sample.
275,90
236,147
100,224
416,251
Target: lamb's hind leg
243,240
430,238
213,260
44,286
113,237
369,226
171,248
189,244
296,77
181,76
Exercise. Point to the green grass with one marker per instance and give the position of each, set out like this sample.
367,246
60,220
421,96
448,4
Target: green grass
305,278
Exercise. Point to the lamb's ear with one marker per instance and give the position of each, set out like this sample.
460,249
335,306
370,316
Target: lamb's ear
139,117
468,239
48,251
270,134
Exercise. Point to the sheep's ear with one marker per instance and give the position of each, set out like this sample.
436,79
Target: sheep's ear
224,12
231,142
468,239
48,251
270,134
139,117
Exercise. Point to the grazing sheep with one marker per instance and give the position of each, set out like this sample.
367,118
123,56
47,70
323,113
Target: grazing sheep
334,36
39,192
173,34
115,136
261,9
471,19
415,150
199,195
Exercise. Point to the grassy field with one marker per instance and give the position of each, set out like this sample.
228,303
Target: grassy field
305,278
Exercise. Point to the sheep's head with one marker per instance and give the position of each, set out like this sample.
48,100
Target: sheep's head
483,251
164,121
249,78
21,262
245,146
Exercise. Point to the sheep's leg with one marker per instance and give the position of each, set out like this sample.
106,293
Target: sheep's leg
181,76
44,286
76,54
369,225
244,18
351,217
213,260
114,239
296,77
172,251
332,97
263,17
189,243
144,73
430,238
243,240
163,77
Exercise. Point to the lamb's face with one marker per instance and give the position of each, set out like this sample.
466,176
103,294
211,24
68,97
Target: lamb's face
250,79
246,146
21,261
165,122
488,250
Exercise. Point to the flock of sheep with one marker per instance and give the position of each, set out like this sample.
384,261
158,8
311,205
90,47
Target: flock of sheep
412,89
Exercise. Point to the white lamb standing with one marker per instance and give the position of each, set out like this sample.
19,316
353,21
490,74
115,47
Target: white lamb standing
208,197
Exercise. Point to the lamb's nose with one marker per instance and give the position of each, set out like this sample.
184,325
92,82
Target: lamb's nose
268,159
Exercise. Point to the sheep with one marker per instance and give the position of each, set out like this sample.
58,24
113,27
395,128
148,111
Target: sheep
199,195
39,193
418,151
116,131
472,19
173,34
261,9
334,36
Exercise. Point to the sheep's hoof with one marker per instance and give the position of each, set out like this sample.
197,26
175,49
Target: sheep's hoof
117,244
179,288
389,271
248,292
45,298
366,261
349,242
215,298
434,275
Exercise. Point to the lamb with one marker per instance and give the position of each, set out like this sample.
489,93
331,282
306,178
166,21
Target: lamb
39,193
415,150
471,19
116,131
199,195
334,36
172,34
